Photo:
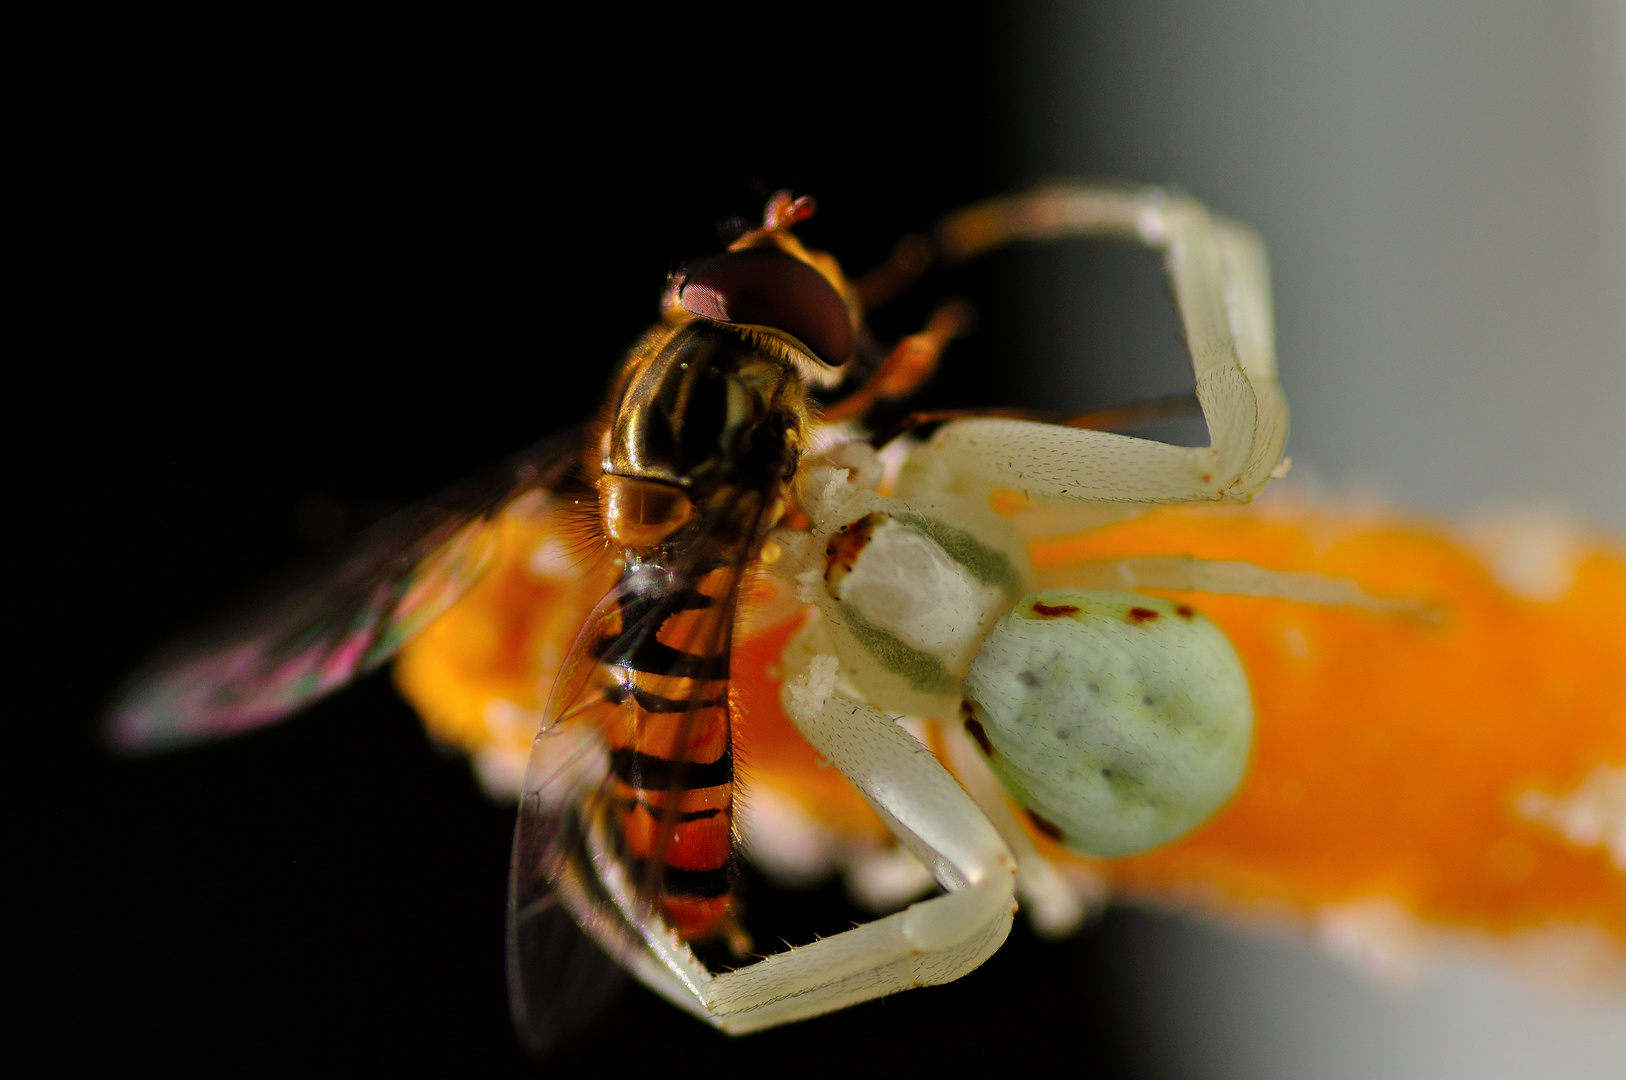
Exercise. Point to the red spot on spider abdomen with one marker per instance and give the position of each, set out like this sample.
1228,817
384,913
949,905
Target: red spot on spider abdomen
1185,612
975,728
1049,828
1054,612
1141,614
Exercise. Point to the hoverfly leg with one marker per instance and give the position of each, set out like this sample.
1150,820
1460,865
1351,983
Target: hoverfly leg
911,362
1181,406
736,936
910,257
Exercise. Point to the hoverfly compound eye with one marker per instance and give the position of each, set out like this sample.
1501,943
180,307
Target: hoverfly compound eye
765,286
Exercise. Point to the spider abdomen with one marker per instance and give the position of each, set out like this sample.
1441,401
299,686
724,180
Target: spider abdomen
1122,721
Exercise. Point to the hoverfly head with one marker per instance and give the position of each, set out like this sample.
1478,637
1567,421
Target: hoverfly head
768,288
794,302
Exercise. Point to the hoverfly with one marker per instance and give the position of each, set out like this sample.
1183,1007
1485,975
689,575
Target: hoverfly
713,465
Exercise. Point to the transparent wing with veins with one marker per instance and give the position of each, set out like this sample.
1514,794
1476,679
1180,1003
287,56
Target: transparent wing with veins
342,621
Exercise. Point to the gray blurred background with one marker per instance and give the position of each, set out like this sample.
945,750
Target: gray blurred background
1442,185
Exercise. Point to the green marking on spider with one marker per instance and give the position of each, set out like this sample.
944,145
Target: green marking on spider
1123,720
921,670
986,564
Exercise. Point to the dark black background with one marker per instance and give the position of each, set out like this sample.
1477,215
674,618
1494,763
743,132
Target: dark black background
299,261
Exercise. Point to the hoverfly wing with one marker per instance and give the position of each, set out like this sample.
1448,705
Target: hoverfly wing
345,618
568,942
560,977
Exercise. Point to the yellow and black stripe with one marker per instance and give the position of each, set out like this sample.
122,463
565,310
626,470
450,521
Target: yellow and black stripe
671,744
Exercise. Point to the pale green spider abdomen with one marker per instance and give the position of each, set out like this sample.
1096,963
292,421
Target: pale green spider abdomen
1119,721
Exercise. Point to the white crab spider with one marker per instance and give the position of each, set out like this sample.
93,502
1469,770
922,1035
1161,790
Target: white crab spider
924,584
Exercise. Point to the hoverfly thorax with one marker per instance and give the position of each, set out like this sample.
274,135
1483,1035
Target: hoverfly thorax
708,427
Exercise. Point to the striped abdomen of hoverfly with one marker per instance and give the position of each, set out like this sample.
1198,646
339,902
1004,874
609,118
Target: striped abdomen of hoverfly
703,435
671,739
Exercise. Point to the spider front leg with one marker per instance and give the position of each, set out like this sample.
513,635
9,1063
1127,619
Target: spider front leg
934,941
909,364
1221,282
